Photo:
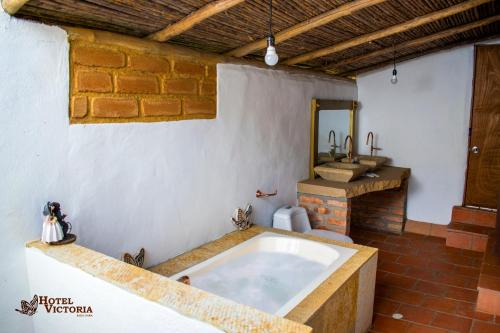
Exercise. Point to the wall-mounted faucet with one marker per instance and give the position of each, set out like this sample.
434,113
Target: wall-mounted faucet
333,145
349,151
370,135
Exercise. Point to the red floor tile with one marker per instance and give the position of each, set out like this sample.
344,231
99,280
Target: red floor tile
482,327
397,280
416,314
433,286
440,304
385,306
454,323
417,328
384,324
461,294
393,267
435,289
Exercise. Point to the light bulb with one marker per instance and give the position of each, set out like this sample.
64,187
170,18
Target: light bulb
271,58
394,78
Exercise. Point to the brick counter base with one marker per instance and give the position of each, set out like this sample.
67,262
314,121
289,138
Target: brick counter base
329,213
382,211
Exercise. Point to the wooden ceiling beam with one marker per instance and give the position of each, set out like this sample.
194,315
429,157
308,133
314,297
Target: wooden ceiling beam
395,29
417,54
192,19
305,26
12,6
412,43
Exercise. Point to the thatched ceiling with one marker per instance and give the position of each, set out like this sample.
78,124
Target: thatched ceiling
248,21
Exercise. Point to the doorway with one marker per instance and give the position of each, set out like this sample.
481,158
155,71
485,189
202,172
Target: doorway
483,170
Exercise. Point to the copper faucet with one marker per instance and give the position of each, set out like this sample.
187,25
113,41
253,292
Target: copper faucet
334,145
370,134
349,152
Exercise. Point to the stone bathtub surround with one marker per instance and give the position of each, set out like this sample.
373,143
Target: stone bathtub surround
373,203
115,78
219,312
342,303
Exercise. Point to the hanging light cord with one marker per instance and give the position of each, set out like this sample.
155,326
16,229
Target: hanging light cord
394,56
270,17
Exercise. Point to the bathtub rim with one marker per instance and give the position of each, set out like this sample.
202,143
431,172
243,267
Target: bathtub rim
344,254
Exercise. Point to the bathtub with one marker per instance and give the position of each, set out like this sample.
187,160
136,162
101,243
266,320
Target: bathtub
271,272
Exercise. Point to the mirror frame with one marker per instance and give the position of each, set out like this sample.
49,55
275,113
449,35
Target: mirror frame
318,105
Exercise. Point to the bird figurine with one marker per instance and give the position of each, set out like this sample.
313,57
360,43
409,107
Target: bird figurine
137,260
241,218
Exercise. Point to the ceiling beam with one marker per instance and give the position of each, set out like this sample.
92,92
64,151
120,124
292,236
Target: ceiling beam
334,68
307,25
13,6
192,19
398,28
416,54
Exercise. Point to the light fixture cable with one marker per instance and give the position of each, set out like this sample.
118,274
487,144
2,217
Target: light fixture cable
271,58
394,78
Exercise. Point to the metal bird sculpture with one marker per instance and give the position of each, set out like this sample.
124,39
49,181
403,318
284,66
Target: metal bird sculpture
241,218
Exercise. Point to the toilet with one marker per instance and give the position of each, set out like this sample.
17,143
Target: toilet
295,218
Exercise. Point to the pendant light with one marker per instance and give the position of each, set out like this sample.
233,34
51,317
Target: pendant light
271,57
394,78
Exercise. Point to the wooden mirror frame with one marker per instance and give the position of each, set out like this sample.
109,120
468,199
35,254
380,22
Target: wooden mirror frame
327,104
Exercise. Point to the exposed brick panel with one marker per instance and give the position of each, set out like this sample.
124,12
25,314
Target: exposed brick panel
207,88
211,72
189,68
181,86
122,79
79,107
148,64
161,107
91,56
113,107
199,106
383,210
90,81
131,84
326,212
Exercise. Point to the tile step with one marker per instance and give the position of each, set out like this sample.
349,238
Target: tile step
473,216
467,236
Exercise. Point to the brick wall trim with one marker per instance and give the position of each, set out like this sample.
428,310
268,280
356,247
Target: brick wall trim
116,78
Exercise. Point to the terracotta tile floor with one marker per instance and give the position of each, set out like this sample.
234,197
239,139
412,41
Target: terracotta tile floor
431,285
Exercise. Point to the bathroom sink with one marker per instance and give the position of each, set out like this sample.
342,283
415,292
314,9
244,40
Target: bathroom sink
340,172
373,162
325,157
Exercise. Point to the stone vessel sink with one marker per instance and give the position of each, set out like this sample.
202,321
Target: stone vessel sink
340,172
373,162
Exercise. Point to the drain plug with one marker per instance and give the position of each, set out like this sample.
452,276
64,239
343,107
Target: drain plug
397,316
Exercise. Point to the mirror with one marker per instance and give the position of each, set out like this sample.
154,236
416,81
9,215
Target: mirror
330,119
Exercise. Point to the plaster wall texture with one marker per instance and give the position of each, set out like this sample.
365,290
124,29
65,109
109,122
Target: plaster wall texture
422,122
167,186
113,309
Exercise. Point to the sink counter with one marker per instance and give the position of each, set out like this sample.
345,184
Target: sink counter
390,177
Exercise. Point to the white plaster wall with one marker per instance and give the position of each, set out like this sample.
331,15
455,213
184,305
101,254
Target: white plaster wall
113,309
422,122
168,187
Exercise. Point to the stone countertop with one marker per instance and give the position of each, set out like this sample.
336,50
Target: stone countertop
389,177
224,314
312,303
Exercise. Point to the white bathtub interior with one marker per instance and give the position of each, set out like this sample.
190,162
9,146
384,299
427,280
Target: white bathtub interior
271,272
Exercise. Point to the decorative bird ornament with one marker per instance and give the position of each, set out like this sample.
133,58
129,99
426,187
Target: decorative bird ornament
241,218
